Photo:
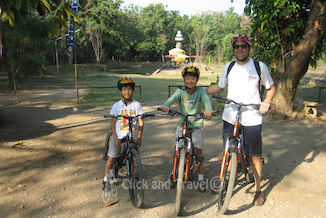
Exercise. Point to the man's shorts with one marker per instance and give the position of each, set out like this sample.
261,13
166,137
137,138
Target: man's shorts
113,151
252,141
197,136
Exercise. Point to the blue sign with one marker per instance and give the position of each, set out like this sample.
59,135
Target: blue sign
72,26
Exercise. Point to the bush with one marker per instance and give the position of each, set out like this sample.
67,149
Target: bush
32,65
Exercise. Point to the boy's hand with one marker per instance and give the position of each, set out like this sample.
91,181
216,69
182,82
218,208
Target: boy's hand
208,113
117,144
139,142
165,109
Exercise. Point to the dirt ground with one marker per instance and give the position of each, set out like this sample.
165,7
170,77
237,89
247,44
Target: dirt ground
57,171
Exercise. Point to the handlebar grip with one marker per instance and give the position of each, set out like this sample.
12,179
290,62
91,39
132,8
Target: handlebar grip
159,109
218,97
149,115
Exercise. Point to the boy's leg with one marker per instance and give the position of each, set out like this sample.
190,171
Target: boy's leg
113,153
198,141
200,163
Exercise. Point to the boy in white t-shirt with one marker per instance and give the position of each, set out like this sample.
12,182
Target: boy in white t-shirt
119,126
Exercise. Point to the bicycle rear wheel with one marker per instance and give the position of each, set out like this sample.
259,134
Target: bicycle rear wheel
225,192
136,186
181,168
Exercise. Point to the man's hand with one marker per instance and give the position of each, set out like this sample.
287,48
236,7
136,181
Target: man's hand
208,113
264,106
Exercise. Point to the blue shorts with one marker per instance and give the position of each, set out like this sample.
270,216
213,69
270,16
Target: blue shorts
252,142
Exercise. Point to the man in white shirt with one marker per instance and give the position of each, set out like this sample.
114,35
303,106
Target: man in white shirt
243,82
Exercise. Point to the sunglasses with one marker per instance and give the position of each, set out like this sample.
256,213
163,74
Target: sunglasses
240,46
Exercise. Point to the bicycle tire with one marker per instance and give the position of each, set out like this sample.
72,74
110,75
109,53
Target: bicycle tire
136,186
225,193
181,168
106,145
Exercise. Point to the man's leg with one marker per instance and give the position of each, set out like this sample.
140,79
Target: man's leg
257,168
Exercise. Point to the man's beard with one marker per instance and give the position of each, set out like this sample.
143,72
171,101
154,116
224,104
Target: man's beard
244,59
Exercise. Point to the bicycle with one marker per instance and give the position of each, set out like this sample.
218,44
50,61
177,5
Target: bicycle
233,158
129,156
184,156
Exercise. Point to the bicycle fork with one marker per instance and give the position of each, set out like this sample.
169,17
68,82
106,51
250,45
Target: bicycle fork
187,146
229,147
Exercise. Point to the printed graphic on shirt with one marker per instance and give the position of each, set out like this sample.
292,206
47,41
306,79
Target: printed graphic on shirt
189,103
251,78
124,123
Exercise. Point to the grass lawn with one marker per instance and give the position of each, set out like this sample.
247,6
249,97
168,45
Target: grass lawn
154,87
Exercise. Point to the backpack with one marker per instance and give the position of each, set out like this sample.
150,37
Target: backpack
262,88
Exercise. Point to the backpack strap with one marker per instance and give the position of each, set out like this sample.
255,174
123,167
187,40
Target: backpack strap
258,72
261,89
229,68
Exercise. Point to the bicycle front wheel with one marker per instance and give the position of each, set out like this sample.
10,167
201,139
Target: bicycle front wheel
136,186
181,168
225,193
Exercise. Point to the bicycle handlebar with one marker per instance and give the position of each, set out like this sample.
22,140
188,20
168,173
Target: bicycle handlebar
129,117
228,101
197,115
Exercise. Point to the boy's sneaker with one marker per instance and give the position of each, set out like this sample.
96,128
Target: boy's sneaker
172,184
106,186
202,186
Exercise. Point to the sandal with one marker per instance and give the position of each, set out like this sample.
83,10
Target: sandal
259,198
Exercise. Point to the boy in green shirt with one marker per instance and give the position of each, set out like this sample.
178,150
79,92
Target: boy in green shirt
189,100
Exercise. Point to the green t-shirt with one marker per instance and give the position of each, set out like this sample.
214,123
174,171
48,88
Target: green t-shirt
190,104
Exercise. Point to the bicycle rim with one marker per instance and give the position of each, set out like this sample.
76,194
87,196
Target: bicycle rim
181,167
225,193
136,186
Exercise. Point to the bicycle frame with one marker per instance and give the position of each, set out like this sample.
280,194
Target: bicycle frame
233,152
128,140
186,137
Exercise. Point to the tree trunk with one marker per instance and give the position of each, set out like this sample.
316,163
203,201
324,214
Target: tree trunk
297,64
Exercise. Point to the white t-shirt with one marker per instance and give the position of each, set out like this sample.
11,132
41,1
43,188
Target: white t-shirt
122,126
242,83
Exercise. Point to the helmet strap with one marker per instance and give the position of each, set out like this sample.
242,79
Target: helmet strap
126,101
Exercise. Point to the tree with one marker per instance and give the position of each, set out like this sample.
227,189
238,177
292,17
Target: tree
157,25
288,35
11,12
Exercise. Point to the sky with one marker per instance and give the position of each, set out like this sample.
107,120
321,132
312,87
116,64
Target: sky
185,7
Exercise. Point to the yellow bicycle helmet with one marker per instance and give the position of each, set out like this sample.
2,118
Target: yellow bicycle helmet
126,81
191,71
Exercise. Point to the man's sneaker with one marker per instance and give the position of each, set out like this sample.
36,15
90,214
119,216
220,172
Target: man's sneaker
202,186
106,186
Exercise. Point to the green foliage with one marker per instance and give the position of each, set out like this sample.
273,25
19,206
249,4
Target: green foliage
32,64
14,11
277,26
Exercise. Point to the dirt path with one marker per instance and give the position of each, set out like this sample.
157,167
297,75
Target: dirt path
59,172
